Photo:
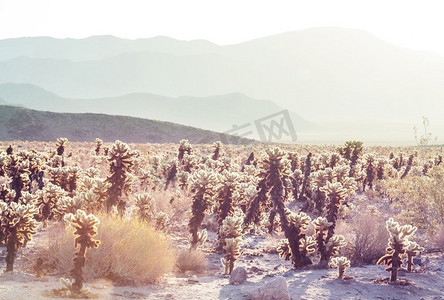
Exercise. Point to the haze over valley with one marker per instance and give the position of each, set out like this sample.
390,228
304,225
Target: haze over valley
337,83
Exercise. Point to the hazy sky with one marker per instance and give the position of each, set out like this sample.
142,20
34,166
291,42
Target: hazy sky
414,24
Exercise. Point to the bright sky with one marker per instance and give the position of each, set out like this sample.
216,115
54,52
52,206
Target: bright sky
414,24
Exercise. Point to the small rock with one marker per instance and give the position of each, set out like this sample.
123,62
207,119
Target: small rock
274,290
238,276
255,269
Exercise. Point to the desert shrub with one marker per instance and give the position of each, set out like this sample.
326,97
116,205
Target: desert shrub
419,199
130,251
439,238
192,260
366,237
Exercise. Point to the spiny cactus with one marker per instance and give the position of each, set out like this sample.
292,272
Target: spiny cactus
275,169
307,171
18,171
370,170
335,243
335,193
225,196
318,179
9,150
321,226
162,220
204,187
145,207
67,205
47,201
85,229
294,225
398,242
412,249
99,144
250,161
171,175
121,161
184,148
231,240
61,144
341,263
217,150
17,225
232,251
352,150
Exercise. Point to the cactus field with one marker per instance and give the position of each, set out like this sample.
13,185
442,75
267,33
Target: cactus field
187,221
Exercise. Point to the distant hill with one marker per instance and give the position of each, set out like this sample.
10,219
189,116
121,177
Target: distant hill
217,113
97,47
322,74
31,125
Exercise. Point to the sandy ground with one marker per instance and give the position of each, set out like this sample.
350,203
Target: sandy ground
262,267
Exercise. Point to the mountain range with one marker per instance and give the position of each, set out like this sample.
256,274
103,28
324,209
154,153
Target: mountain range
17,123
321,75
217,113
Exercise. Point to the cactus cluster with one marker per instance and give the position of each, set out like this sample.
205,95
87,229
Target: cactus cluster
398,245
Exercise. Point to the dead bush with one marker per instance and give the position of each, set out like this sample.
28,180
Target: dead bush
366,238
192,261
130,251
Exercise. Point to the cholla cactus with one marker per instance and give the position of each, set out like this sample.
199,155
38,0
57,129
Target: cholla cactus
121,161
99,144
67,205
18,171
341,263
85,230
225,196
250,162
321,226
335,243
335,193
351,151
182,178
231,238
47,201
204,186
275,170
284,249
201,239
171,176
217,149
184,148
162,220
412,249
91,172
306,247
398,242
370,171
145,207
61,143
28,198
232,251
17,225
300,246
306,171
